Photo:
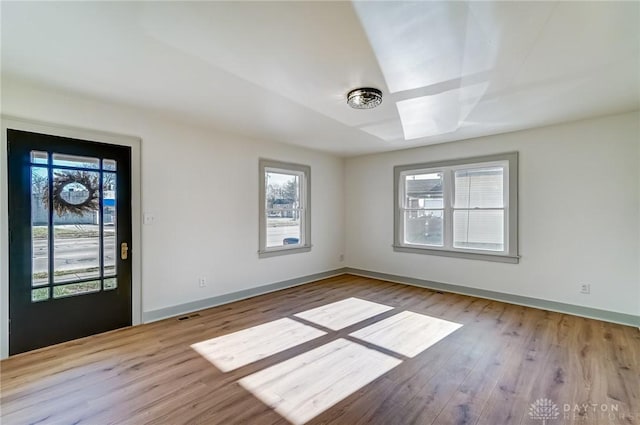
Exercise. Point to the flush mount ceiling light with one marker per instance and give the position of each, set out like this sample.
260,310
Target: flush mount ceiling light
364,98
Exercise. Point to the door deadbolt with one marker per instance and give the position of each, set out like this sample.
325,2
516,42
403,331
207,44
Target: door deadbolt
124,251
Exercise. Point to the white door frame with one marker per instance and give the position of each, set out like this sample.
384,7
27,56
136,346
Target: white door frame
136,207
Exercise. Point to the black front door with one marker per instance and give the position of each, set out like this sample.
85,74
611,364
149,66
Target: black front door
69,239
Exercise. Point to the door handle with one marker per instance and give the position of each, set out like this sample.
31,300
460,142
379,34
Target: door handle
124,250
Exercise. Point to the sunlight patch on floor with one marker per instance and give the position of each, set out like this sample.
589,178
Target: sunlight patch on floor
231,351
339,315
304,386
406,333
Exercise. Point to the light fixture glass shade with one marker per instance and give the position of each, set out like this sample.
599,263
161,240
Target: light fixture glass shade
364,98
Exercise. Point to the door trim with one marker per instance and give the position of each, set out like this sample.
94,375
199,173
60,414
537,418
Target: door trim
136,209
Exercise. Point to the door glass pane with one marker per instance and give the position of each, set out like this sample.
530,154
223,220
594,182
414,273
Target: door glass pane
39,226
109,222
75,223
40,294
423,191
39,157
479,188
423,227
75,161
110,283
76,289
109,164
478,229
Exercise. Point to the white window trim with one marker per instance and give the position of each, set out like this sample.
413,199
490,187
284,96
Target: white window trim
304,172
510,253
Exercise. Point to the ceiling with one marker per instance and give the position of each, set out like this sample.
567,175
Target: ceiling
281,70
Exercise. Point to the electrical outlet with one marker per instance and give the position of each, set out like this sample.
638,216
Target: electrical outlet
341,258
202,282
585,288
148,219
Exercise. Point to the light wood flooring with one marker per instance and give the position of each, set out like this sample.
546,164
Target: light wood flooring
438,359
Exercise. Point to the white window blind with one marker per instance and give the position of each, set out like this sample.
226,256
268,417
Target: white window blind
478,209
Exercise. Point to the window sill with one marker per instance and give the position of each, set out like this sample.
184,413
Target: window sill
459,254
283,251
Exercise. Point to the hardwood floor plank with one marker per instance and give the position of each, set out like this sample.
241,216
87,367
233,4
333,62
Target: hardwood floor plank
487,372
512,393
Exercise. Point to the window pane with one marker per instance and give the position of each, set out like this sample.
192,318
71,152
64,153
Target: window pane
423,227
39,226
109,222
76,289
479,188
283,191
479,229
423,190
75,224
39,294
283,229
75,161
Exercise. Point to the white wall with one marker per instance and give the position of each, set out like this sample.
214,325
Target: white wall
579,215
202,187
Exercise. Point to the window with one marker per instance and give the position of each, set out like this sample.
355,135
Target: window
285,215
460,208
